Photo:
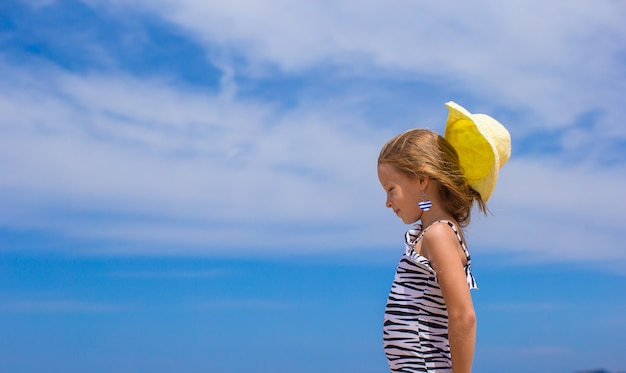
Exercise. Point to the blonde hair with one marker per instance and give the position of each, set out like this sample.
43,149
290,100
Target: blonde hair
419,152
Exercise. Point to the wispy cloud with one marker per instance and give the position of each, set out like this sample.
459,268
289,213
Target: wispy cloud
551,212
557,68
57,306
108,153
209,161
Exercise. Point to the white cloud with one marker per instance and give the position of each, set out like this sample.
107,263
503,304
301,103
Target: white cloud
189,166
192,169
228,173
558,60
547,212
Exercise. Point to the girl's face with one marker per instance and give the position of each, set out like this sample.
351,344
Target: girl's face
403,193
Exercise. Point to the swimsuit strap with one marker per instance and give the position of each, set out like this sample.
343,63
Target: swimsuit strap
454,228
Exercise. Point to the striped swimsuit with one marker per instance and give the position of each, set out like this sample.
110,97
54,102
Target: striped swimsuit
415,332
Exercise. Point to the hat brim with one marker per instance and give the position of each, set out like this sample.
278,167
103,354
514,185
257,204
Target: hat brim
478,154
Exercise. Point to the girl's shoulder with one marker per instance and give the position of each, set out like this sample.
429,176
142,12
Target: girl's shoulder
441,230
442,238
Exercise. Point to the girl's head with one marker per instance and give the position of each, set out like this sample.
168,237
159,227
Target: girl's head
420,153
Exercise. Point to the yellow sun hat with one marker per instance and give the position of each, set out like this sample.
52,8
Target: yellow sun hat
483,145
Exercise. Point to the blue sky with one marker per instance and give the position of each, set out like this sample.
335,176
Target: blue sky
191,186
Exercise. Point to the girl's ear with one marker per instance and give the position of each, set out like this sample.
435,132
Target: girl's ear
423,182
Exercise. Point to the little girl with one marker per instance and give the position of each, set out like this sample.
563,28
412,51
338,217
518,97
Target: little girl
430,323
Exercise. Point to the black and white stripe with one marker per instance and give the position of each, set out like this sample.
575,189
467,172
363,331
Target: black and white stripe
415,331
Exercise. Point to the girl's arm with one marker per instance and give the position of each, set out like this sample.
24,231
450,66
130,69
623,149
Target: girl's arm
441,247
